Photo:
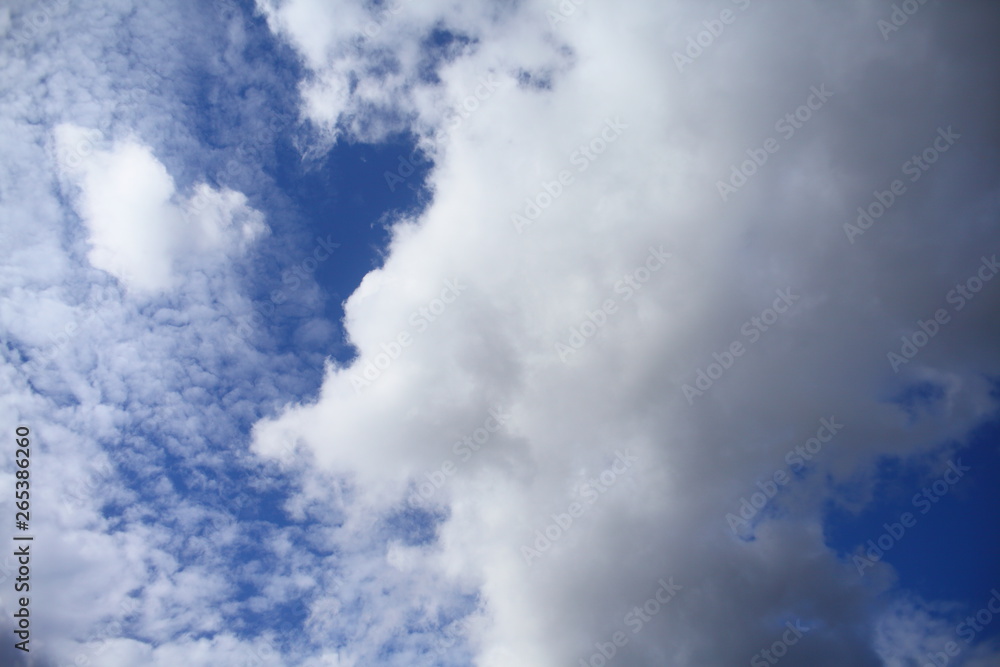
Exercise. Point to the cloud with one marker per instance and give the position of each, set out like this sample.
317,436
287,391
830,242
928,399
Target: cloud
655,183
568,146
125,279
138,231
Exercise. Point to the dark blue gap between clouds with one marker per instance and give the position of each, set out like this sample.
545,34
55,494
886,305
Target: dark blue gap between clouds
952,552
247,128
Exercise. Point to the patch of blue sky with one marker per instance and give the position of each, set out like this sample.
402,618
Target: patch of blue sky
919,398
439,47
414,526
935,557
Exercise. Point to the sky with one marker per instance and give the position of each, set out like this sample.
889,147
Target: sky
538,332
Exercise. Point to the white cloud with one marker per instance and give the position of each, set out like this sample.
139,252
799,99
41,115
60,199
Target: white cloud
655,184
139,228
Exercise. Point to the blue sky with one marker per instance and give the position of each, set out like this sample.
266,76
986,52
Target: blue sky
948,554
367,334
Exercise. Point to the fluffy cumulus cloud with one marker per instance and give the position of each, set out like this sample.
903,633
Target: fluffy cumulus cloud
137,231
674,250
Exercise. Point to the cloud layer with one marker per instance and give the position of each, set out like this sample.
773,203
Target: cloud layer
740,138
687,275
